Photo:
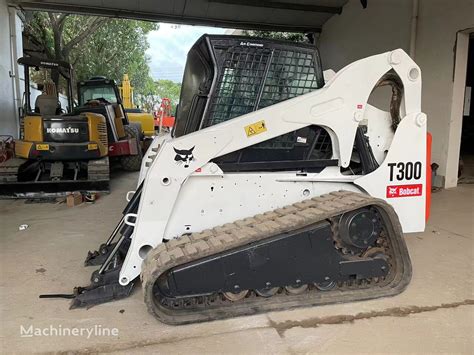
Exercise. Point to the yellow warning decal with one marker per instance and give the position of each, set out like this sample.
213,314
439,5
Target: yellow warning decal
42,147
255,128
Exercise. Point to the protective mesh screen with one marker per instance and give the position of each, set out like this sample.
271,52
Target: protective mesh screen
254,78
290,74
240,79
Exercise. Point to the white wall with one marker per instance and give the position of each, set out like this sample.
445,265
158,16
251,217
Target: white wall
385,25
439,22
358,32
9,116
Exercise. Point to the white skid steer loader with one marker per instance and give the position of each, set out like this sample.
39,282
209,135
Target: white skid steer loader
275,190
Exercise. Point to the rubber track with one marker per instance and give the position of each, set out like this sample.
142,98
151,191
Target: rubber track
231,235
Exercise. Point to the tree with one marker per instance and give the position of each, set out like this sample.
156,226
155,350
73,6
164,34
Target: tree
287,36
169,89
94,45
59,34
156,90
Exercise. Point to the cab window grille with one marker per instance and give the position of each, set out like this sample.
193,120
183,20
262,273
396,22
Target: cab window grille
254,78
240,79
290,74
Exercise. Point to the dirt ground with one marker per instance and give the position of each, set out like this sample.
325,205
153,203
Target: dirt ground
434,315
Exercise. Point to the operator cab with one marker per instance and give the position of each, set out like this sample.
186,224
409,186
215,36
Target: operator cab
98,88
229,76
47,103
100,95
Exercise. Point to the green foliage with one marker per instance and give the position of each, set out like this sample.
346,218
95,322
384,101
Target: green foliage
95,45
287,36
156,90
169,89
115,49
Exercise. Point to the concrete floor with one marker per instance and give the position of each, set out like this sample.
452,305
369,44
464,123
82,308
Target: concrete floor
435,314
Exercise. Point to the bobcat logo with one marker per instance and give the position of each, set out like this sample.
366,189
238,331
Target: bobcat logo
392,191
184,156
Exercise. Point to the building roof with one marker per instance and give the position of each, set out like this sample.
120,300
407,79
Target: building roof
284,15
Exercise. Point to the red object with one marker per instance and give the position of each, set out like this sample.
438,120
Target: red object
404,190
359,106
124,147
429,140
7,148
164,113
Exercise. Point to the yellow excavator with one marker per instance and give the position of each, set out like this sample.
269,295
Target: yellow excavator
68,149
135,114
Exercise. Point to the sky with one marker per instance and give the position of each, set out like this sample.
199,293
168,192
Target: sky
169,47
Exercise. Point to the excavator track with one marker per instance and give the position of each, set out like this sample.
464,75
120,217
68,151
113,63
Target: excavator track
98,180
9,170
98,169
323,209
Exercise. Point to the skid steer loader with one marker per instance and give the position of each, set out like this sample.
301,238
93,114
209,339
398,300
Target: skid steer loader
277,189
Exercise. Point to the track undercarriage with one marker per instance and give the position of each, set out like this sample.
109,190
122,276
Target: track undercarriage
335,248
39,179
291,257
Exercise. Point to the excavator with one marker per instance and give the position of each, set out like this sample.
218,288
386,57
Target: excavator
58,150
280,186
152,124
63,149
145,119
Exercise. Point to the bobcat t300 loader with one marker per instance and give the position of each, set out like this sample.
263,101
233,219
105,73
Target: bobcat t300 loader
276,190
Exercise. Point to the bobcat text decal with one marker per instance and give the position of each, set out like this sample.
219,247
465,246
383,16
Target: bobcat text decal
184,156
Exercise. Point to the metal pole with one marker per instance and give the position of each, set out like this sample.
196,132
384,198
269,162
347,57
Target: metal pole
111,255
114,233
